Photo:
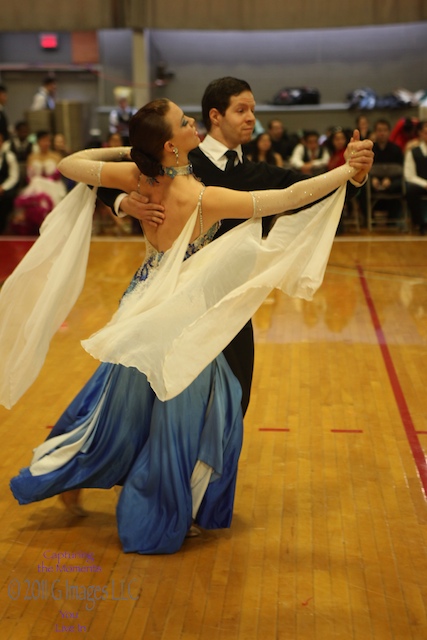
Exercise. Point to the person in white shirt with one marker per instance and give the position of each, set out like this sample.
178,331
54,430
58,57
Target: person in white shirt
309,156
45,95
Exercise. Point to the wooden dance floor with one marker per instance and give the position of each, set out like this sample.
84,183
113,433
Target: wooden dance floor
329,536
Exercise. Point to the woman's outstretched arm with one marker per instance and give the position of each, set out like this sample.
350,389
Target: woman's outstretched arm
219,203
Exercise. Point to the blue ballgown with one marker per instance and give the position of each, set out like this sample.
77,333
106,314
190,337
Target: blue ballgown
131,438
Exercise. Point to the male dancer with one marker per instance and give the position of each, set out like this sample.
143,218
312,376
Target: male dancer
228,107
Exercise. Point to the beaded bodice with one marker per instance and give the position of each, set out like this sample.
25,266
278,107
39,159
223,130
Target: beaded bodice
153,257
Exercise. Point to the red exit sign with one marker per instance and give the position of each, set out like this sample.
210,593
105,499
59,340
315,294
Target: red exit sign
49,40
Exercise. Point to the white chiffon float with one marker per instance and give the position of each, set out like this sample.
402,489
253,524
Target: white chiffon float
173,324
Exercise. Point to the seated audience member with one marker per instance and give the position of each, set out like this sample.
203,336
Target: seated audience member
415,171
281,142
60,145
21,145
416,140
114,140
9,179
309,157
261,151
404,131
362,125
4,122
44,191
336,145
386,152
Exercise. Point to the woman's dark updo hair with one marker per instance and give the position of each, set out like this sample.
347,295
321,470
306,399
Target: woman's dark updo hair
148,132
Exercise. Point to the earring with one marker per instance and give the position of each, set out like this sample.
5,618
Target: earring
175,150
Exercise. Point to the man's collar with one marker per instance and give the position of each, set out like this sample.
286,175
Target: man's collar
216,149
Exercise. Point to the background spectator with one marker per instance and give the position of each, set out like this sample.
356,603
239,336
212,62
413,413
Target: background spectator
336,145
4,124
9,178
120,116
282,143
44,97
309,157
415,170
21,146
261,151
44,190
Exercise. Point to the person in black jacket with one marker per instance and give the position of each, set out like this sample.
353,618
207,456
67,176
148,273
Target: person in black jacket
9,177
228,107
4,125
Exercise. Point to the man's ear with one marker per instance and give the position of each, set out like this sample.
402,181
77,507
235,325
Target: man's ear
214,116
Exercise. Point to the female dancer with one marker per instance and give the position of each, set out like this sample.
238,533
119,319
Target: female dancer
161,415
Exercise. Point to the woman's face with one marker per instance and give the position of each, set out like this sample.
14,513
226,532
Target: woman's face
362,123
59,142
115,140
339,141
44,143
264,143
184,132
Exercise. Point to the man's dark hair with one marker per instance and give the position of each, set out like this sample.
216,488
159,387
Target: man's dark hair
217,96
3,89
310,133
42,134
382,121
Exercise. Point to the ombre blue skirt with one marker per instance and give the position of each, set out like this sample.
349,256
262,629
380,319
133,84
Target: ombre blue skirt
151,448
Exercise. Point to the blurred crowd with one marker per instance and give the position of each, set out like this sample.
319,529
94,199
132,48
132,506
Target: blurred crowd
31,185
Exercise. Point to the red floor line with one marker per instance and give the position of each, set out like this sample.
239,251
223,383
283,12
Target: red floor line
266,429
346,431
411,433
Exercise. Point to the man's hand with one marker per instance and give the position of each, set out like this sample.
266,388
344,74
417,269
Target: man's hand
141,208
359,154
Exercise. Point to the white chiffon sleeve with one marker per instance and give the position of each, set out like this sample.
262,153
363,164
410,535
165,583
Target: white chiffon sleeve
37,297
273,201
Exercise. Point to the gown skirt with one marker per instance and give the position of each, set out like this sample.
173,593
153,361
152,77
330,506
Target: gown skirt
117,432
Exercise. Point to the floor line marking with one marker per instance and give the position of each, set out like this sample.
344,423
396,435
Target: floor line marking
346,431
411,433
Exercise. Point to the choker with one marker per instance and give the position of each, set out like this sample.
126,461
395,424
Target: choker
172,172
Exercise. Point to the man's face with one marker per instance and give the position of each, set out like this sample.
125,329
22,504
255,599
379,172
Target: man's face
276,130
312,142
22,132
237,124
382,133
3,97
423,134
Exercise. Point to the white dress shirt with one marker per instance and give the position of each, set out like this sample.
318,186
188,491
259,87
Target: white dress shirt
297,158
215,151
